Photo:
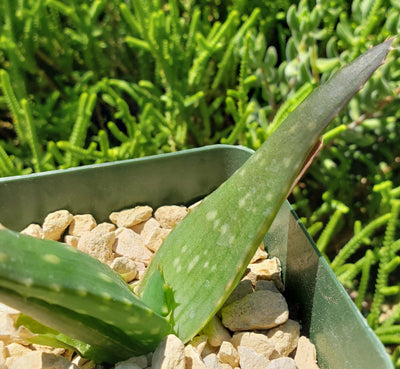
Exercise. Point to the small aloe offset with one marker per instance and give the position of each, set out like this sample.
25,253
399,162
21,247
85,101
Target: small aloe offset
82,303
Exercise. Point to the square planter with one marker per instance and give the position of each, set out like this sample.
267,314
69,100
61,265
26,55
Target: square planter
341,335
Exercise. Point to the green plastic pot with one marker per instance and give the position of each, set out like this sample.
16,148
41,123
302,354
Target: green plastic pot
329,318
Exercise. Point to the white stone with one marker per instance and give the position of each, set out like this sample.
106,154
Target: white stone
260,254
211,361
250,359
56,223
71,240
193,359
282,363
216,332
269,269
39,360
34,230
258,342
170,215
170,354
228,354
131,245
126,267
81,223
104,227
140,361
99,246
130,217
261,309
306,356
199,343
284,338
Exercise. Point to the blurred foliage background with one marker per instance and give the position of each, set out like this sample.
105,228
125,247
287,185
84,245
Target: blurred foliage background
88,82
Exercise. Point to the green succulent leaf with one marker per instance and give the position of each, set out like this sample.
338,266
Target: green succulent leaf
77,295
205,256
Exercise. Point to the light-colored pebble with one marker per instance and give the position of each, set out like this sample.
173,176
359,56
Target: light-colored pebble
284,338
8,332
250,359
16,349
170,215
136,362
261,309
211,361
81,223
34,230
216,332
99,247
126,267
306,356
56,223
282,363
258,342
170,354
39,360
269,269
228,354
199,343
259,255
104,227
129,217
193,359
2,226
131,245
71,240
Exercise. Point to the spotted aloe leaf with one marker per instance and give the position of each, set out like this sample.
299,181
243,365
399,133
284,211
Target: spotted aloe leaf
205,256
77,295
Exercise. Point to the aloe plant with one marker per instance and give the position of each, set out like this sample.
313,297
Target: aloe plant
198,265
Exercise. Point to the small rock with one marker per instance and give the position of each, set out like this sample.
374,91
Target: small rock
228,354
131,245
8,332
193,359
39,360
269,269
15,349
266,285
282,363
126,267
284,338
71,240
216,332
306,356
250,359
56,223
169,216
2,354
152,233
260,254
2,227
104,227
170,354
261,309
140,361
211,361
81,223
98,247
129,217
34,230
199,343
256,341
